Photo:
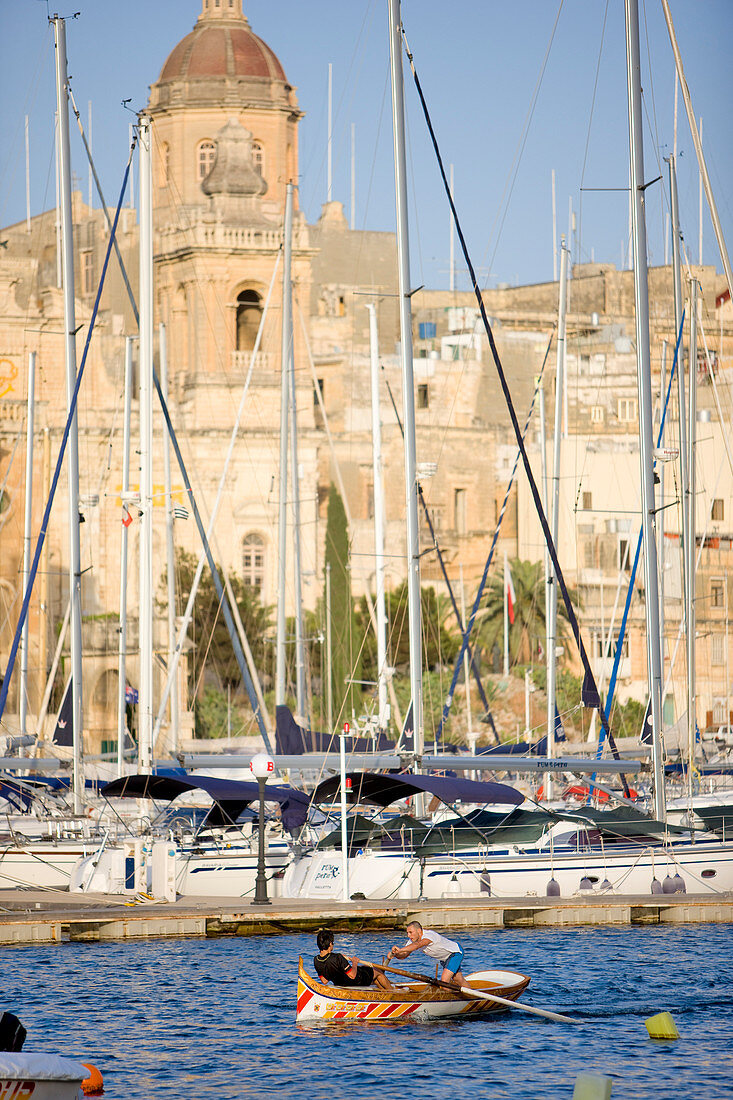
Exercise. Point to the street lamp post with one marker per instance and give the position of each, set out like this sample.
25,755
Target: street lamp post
261,766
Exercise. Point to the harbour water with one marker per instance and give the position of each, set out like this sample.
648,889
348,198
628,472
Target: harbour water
215,1019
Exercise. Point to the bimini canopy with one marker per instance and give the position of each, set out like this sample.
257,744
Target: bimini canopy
384,789
231,796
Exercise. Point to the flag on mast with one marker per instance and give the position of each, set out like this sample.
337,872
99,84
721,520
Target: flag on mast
511,597
63,733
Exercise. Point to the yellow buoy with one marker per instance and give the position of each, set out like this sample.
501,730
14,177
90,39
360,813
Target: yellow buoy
592,1086
662,1026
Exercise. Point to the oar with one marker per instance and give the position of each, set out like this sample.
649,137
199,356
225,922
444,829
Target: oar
477,994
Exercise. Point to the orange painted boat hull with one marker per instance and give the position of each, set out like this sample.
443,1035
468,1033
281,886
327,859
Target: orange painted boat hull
414,1000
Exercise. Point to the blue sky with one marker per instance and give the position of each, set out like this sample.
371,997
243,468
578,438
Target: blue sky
479,62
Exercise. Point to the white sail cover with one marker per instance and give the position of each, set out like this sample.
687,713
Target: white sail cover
27,1066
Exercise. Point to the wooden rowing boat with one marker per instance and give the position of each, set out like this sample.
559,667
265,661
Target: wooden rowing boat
417,1000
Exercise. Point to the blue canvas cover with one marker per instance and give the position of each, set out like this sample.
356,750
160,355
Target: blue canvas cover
384,789
231,794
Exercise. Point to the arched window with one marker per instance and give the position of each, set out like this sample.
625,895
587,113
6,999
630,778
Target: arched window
253,562
258,156
205,158
106,690
249,311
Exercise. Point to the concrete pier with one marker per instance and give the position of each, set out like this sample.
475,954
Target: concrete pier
35,916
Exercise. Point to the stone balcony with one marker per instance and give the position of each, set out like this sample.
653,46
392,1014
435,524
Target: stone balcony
264,360
213,236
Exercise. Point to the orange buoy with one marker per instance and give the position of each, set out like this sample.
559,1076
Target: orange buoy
93,1085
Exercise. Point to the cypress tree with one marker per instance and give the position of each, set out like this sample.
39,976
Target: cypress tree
345,646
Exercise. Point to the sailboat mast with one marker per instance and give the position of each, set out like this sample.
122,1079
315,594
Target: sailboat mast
408,386
505,586
145,706
300,667
546,557
681,395
641,297
122,642
287,339
379,524
329,663
690,546
660,520
67,261
170,551
551,602
27,538
697,140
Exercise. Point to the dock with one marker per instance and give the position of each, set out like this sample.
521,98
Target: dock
43,916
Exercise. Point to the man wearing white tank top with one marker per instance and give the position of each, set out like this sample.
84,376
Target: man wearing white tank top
435,946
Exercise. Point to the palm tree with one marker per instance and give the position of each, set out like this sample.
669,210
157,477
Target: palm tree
528,631
439,645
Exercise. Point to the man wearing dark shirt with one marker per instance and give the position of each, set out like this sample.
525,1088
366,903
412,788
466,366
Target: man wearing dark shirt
341,970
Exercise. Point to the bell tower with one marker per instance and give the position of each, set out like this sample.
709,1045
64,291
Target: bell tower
225,126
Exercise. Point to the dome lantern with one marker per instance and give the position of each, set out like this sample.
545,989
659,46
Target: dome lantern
221,9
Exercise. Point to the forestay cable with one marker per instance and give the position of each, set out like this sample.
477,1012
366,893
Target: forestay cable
62,450
590,695
254,698
632,576
474,610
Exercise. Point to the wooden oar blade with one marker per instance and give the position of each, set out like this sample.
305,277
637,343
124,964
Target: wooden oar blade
468,991
477,994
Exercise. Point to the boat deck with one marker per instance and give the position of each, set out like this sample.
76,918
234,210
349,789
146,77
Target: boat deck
45,916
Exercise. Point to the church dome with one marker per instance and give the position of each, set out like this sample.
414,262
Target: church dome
222,46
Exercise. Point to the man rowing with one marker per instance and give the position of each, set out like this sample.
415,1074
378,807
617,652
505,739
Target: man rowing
342,970
434,946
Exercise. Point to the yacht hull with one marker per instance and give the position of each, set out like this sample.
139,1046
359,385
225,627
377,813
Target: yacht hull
703,867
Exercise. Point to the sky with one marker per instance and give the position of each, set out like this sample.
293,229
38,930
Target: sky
515,90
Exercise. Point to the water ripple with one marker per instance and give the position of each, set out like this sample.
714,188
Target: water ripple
215,1019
